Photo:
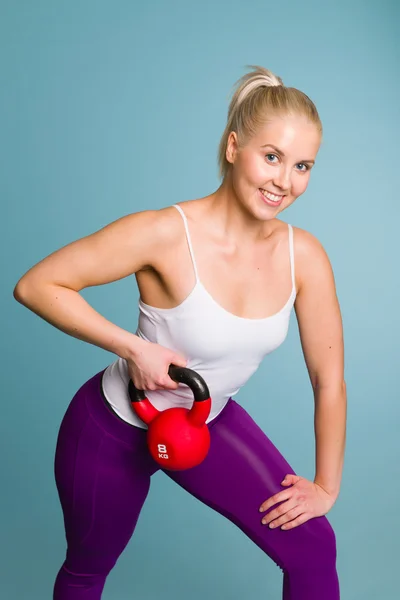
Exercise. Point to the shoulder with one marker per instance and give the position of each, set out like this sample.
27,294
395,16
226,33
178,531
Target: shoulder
311,259
307,245
167,223
162,225
148,234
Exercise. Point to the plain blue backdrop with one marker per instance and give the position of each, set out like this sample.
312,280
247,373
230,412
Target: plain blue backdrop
110,107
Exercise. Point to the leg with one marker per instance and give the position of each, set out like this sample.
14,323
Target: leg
244,468
102,471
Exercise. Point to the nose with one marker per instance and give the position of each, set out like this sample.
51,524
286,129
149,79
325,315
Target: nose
282,178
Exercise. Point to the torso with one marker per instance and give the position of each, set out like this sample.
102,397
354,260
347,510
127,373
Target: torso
225,320
251,282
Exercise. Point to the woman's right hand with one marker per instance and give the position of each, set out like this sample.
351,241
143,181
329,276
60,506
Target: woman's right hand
149,367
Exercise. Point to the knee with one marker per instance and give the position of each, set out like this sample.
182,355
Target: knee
68,582
326,540
89,562
315,547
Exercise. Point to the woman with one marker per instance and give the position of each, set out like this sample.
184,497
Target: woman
218,278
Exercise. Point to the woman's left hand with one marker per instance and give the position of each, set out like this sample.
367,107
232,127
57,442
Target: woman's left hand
304,500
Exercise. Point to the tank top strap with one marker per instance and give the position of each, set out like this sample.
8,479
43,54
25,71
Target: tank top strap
291,251
189,241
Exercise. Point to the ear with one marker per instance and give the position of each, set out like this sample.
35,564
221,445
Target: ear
232,147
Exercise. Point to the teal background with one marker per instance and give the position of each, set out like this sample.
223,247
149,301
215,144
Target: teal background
113,107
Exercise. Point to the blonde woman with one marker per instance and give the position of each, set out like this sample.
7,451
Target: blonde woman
218,279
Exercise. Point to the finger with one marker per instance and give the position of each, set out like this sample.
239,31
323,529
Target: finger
173,385
290,514
167,383
303,518
149,387
139,385
280,512
290,479
179,361
279,497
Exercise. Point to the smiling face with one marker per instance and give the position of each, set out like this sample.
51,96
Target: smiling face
273,168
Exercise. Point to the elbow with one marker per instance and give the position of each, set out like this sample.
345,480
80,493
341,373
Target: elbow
338,386
20,292
23,291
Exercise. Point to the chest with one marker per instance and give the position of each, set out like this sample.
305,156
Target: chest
203,331
252,284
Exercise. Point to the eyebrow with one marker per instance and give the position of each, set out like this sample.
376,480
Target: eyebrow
283,154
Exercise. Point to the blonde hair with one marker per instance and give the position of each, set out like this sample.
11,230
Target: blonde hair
258,95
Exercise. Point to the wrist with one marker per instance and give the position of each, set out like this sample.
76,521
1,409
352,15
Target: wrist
131,347
334,492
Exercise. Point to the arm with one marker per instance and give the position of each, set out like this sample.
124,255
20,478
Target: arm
51,287
321,333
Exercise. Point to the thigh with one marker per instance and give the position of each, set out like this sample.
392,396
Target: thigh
244,468
102,484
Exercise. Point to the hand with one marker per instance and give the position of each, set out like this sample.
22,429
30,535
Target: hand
148,368
304,500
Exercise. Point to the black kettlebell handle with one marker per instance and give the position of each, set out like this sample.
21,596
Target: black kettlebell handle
180,375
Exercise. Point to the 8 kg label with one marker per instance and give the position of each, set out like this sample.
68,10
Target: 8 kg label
162,451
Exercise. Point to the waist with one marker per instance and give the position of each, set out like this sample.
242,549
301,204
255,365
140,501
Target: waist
115,389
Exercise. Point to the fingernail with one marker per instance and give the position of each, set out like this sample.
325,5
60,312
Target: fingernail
272,525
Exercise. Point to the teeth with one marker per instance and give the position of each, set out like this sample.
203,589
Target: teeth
272,197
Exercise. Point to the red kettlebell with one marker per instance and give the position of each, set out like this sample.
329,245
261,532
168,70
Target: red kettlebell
177,438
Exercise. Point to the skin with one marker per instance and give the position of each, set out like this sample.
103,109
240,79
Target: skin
236,232
241,250
259,165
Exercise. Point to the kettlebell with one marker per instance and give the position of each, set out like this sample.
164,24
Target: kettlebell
178,438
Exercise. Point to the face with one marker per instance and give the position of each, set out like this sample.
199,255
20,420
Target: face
273,168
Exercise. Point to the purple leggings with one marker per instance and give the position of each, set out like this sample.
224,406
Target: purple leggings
103,471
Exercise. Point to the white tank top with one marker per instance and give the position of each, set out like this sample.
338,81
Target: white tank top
223,348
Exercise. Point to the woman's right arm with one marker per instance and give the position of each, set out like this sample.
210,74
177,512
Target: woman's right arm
51,288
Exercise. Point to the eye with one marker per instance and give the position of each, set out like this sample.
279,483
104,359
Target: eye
268,156
306,167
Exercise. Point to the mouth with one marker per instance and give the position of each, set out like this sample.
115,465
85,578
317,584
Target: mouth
271,199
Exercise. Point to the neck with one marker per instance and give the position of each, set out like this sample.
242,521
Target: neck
235,221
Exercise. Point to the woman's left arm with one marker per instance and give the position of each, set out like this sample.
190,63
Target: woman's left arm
321,334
